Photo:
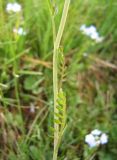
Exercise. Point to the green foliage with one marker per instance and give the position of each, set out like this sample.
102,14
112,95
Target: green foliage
32,83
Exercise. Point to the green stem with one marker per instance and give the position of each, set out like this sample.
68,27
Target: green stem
55,73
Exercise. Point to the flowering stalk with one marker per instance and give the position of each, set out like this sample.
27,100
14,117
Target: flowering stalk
55,75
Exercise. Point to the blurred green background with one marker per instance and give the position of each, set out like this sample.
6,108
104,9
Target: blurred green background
26,93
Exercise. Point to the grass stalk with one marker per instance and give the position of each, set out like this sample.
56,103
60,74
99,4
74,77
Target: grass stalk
55,74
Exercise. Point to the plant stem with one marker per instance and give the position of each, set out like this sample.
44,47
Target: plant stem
55,73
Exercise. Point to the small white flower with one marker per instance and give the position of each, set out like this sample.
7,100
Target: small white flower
9,7
13,7
96,138
16,7
94,35
90,140
88,30
20,31
103,138
83,27
96,132
91,32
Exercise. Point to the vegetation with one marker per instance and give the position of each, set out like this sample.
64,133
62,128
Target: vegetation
87,75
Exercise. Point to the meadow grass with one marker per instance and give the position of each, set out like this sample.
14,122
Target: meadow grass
26,87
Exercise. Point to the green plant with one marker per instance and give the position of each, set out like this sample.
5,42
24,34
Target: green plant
26,102
59,98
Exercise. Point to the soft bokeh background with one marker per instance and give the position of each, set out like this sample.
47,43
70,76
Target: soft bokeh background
26,94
